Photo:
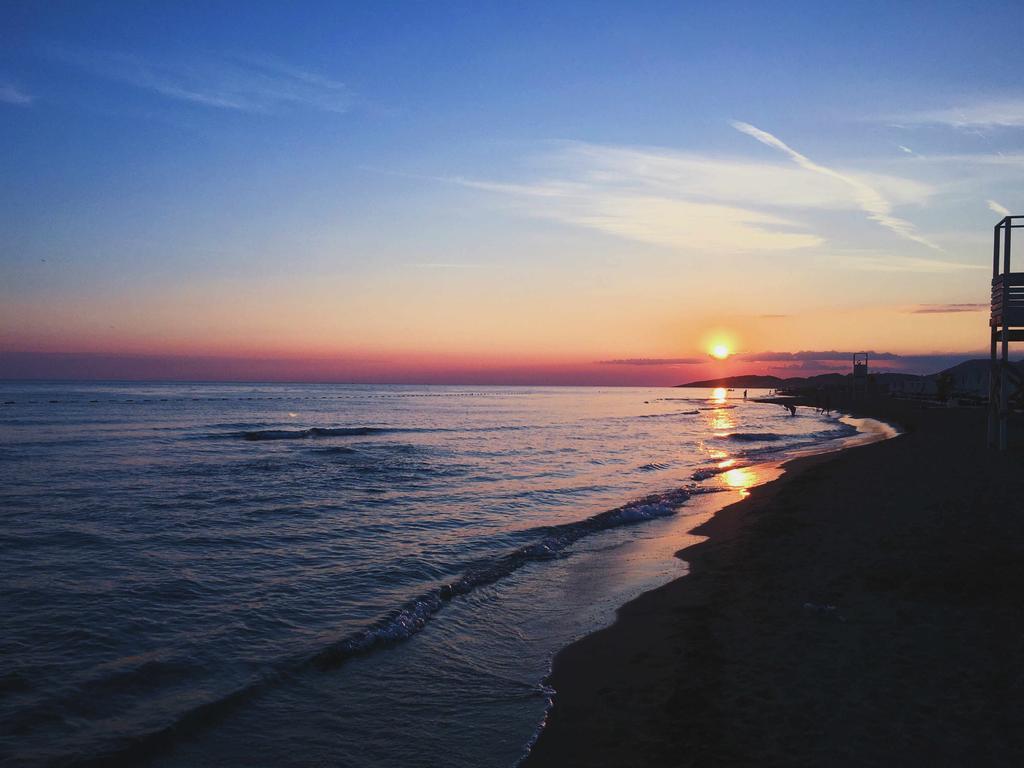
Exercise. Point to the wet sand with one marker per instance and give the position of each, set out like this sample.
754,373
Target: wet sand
867,608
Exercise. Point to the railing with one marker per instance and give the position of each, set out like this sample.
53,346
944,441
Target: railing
1007,286
1008,299
1001,242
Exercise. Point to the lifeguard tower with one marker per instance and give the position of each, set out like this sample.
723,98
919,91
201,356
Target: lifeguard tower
860,373
1006,325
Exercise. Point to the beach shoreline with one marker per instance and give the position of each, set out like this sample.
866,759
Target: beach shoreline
822,619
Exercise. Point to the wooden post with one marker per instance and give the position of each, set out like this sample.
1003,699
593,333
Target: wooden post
1006,325
993,371
1006,245
1004,384
993,366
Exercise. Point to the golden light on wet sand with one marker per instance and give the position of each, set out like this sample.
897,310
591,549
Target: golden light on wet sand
741,479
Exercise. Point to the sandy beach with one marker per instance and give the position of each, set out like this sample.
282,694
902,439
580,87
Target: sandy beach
863,609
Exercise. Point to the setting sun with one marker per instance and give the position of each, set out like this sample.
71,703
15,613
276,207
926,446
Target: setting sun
720,351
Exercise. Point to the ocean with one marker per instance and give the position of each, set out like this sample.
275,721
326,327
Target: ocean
286,575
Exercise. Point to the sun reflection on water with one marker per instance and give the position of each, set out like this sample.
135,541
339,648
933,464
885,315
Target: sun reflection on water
722,420
741,479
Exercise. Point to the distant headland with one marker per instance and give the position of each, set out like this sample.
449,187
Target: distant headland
969,378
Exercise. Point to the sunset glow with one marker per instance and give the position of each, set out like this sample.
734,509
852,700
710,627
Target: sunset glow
720,351
294,214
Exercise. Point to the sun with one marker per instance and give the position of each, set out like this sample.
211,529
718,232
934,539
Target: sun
720,351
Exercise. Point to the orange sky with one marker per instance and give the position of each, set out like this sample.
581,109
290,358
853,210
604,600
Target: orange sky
294,228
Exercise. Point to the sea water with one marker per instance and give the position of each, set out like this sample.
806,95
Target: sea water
268,574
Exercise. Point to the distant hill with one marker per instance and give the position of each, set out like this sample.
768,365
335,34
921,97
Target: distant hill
968,376
827,380
972,376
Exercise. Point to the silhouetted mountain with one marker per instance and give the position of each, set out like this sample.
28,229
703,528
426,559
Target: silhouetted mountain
974,371
827,380
968,376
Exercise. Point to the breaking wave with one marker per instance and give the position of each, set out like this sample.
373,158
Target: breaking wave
406,621
412,617
707,472
756,437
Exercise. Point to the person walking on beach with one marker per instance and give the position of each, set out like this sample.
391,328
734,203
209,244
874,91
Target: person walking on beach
744,394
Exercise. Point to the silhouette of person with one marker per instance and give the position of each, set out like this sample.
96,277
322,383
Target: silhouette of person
744,394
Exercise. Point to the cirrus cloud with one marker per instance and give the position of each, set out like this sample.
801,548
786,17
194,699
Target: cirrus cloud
697,202
994,113
874,204
12,94
255,84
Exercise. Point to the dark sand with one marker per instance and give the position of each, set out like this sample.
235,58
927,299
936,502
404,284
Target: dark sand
917,542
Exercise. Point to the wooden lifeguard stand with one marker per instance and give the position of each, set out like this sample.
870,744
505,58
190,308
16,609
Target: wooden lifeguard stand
1006,325
860,373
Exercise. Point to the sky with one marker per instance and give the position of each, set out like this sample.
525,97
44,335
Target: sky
570,193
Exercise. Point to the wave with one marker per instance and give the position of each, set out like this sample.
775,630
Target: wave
808,438
802,441
315,432
334,450
653,466
843,430
757,437
402,623
668,415
412,617
302,434
707,472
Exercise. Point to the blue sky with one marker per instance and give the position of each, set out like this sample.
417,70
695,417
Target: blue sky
572,181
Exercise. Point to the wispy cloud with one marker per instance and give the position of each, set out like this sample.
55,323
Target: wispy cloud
944,309
11,94
642,215
682,200
243,83
999,113
736,181
889,263
1012,161
656,361
870,199
699,202
995,207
